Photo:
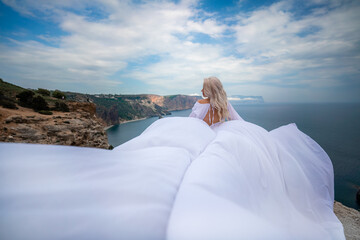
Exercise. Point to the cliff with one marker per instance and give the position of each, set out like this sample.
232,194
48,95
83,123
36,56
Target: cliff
179,102
350,218
79,127
43,116
69,118
115,109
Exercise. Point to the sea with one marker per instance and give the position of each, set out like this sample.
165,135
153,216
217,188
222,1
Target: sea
334,126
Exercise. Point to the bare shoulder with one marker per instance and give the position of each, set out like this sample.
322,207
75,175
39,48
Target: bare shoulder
203,101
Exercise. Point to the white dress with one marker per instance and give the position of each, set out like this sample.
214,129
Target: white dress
178,180
200,110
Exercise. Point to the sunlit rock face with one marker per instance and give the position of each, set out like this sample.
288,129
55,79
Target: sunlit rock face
156,99
116,109
79,127
179,102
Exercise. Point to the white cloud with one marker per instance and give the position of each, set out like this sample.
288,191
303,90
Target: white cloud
272,37
209,27
97,49
273,49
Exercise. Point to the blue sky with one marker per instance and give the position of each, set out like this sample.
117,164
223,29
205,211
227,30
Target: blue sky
285,51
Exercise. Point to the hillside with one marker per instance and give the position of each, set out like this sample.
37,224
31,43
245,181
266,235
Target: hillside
118,108
114,109
45,117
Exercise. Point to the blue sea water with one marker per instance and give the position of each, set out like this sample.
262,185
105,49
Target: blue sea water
335,126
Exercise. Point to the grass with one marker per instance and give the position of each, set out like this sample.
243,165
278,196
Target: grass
10,90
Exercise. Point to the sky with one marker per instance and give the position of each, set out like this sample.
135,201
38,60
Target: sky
285,51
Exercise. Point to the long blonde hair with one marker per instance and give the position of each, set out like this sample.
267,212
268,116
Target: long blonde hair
214,90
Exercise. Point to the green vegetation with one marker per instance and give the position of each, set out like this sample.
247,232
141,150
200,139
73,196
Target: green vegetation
26,98
43,92
123,107
45,112
39,99
109,107
171,97
10,90
61,106
7,102
59,94
114,108
39,103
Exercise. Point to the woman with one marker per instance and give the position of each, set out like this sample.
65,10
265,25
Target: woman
178,180
215,108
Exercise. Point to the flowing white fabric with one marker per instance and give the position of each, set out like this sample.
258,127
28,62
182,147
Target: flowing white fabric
200,110
252,184
180,179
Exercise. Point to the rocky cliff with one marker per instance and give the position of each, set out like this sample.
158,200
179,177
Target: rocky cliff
77,119
79,127
178,102
350,219
114,109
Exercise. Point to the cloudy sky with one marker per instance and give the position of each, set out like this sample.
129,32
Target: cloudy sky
285,51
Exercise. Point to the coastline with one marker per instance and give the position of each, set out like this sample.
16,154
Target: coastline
126,121
350,219
107,127
134,120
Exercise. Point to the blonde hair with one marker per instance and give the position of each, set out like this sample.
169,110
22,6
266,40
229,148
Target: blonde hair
213,89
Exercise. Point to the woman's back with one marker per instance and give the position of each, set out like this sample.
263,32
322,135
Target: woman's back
215,108
212,115
203,110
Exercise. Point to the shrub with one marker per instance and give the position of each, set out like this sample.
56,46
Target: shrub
43,92
45,112
39,103
8,104
61,106
26,98
58,94
172,97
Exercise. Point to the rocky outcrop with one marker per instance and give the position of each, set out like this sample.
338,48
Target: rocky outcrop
114,109
156,99
79,127
179,102
350,218
84,107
